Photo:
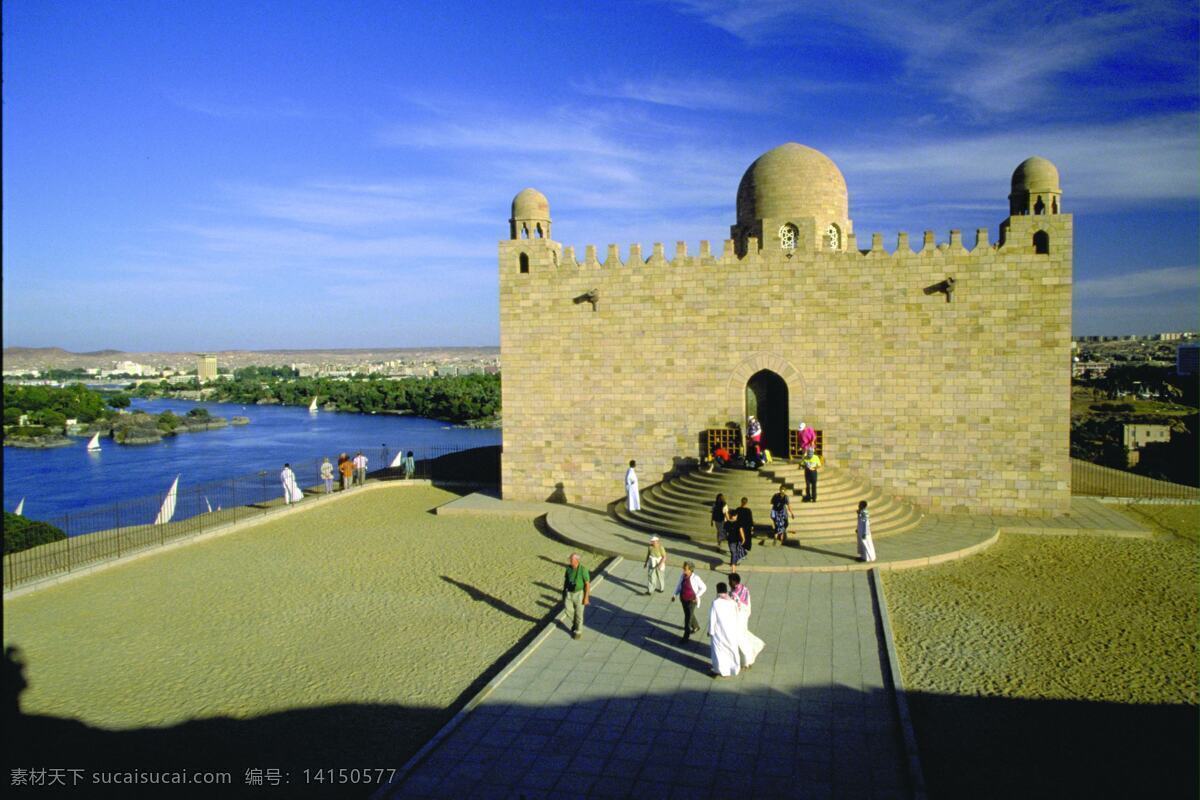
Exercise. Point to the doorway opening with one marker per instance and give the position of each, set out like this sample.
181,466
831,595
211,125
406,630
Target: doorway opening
767,399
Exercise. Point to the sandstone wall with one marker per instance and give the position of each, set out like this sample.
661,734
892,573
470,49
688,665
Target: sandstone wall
962,405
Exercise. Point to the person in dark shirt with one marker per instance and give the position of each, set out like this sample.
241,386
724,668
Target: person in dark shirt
743,528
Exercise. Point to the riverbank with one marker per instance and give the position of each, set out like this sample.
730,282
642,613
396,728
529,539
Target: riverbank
257,649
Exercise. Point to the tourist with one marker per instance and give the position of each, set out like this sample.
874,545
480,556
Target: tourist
866,547
327,475
346,467
808,438
755,436
720,518
360,468
781,512
656,564
577,591
812,464
749,645
633,499
291,492
410,466
743,531
689,590
724,633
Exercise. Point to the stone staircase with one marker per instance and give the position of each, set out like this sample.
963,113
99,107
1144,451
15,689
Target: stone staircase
680,507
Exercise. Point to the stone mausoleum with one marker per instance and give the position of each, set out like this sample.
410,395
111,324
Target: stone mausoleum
940,375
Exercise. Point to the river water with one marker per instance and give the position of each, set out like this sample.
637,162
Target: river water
66,479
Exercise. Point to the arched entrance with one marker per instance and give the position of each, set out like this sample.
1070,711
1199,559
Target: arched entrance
767,399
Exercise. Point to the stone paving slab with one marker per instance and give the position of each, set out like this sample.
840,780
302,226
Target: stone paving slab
935,539
938,538
629,710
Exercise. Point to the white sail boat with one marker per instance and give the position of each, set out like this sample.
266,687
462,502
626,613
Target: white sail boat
398,461
168,507
312,407
20,507
94,444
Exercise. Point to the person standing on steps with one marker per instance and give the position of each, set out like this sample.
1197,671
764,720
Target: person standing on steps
740,531
633,499
754,434
689,590
811,464
656,564
720,518
866,547
577,592
808,438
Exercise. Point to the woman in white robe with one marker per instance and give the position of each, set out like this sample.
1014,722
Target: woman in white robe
724,633
291,492
866,547
749,645
632,498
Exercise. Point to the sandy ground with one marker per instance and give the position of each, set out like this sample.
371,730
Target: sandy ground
1057,666
364,622
1046,616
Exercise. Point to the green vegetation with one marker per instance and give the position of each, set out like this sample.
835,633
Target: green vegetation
47,405
461,398
21,533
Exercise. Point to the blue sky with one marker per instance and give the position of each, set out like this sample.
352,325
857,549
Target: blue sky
211,175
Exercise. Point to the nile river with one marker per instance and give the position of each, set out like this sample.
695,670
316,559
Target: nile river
66,479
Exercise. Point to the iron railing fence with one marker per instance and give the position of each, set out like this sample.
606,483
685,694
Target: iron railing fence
111,531
1099,481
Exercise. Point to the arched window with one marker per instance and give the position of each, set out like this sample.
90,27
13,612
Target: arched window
1053,205
787,237
524,260
524,231
1039,207
538,230
833,237
1041,243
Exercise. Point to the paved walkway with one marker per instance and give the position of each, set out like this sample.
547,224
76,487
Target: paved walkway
630,711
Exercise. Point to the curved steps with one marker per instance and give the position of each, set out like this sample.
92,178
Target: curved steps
680,507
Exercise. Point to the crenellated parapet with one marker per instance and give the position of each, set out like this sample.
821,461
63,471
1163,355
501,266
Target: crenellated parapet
731,256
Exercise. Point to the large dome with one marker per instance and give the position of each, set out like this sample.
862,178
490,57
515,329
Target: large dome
792,181
1035,175
530,204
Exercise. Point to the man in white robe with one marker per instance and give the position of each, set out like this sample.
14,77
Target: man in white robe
633,499
725,631
291,492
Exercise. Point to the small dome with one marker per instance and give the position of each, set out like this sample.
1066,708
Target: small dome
1035,175
792,181
530,204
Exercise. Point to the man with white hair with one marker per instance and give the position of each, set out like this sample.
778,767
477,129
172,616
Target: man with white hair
577,590
656,564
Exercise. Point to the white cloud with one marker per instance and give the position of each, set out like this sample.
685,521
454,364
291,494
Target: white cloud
1141,283
999,57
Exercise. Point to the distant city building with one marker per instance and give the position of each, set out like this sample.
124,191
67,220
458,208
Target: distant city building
1135,437
1187,359
206,367
1090,369
130,368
